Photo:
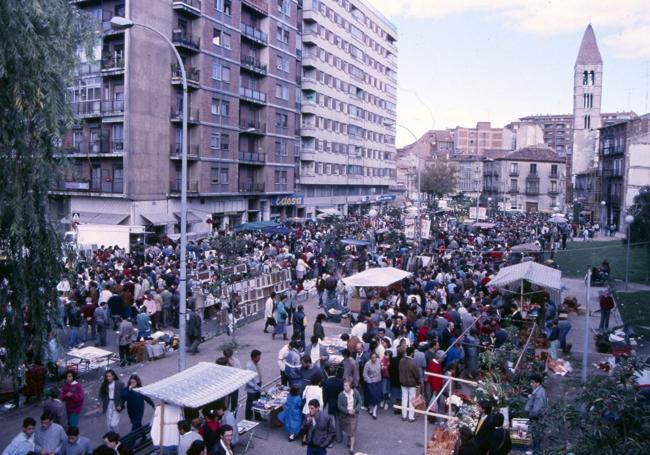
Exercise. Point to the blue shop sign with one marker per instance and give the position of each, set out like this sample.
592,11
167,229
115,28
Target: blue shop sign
386,197
291,199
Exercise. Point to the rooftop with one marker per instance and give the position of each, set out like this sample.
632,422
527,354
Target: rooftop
534,153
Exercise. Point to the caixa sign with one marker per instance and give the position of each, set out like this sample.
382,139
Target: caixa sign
386,197
292,199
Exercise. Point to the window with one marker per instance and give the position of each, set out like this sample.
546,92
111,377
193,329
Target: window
282,35
227,7
220,107
587,100
514,168
281,91
214,175
280,177
554,185
214,109
585,78
281,148
282,63
281,120
533,168
592,78
587,122
216,37
514,185
77,137
284,7
220,72
553,169
117,137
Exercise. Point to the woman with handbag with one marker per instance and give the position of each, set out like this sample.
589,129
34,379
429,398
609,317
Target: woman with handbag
372,377
349,404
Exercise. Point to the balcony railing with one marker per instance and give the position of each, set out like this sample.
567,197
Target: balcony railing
513,173
183,39
254,34
252,126
191,73
251,95
113,63
177,115
554,191
260,6
252,157
253,64
280,186
554,175
175,186
103,146
106,184
176,151
532,191
251,187
513,190
87,108
192,7
83,69
113,107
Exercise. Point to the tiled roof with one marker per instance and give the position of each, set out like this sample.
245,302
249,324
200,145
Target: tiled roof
589,53
534,153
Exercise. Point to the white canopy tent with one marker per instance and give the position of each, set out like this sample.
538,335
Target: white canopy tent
194,387
538,274
378,277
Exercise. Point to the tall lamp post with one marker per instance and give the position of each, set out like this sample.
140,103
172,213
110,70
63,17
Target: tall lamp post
489,206
629,220
418,232
603,213
122,23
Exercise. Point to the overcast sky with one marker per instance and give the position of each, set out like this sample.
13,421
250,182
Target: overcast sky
497,60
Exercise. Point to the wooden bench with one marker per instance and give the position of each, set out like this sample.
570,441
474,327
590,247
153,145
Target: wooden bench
139,441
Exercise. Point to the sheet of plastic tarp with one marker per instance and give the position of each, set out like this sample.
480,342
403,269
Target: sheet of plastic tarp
199,385
532,272
378,277
355,242
283,230
256,225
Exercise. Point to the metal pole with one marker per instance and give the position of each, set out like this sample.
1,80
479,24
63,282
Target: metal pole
418,236
182,287
585,348
627,257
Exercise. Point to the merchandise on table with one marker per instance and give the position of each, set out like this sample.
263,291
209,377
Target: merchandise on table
273,398
443,441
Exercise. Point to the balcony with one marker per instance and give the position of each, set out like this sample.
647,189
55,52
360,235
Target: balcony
101,147
176,116
252,126
532,190
176,151
113,65
87,109
309,107
192,74
105,184
114,107
279,187
259,6
188,7
554,191
251,187
253,65
512,173
257,158
175,187
513,190
308,130
183,40
308,154
254,34
309,60
252,96
310,36
554,175
83,69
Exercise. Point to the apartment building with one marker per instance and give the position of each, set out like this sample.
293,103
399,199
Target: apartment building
474,141
349,85
242,59
433,145
530,179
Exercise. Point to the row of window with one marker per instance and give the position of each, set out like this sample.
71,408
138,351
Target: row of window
351,89
342,190
343,107
349,68
349,129
353,29
351,49
345,149
350,169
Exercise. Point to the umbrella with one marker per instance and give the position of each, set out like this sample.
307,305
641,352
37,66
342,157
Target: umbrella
559,219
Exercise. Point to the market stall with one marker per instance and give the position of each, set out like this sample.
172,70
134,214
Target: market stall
188,392
381,277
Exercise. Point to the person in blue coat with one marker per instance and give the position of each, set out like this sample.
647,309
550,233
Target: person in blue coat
291,416
134,401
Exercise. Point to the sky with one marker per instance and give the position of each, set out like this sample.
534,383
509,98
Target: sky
464,61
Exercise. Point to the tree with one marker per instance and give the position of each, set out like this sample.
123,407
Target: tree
438,179
640,229
38,54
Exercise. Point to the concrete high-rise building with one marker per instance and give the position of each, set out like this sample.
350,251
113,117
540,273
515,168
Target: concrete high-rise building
242,61
349,87
587,96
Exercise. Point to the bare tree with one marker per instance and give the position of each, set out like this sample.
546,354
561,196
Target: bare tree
438,179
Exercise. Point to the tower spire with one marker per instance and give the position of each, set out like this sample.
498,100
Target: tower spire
589,53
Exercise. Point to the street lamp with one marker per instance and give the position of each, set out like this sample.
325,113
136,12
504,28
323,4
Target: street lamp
629,220
489,205
122,23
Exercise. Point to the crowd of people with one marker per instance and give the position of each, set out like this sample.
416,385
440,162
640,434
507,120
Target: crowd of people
436,321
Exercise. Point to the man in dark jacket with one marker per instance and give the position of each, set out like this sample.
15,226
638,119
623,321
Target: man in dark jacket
499,443
318,429
193,331
409,378
485,427
332,387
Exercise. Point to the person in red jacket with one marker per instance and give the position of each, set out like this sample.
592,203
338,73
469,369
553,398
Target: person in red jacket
72,394
435,383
